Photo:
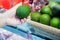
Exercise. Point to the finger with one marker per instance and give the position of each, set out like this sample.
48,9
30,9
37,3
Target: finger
25,19
22,20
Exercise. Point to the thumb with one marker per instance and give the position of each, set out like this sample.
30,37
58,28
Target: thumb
10,14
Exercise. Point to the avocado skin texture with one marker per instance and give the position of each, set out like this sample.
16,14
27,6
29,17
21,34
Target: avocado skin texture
23,11
56,11
55,7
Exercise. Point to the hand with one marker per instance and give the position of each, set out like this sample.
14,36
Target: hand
10,19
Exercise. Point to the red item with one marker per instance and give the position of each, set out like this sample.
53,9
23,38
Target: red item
6,4
16,2
0,3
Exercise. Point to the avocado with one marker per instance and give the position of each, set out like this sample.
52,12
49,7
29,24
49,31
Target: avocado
55,7
23,11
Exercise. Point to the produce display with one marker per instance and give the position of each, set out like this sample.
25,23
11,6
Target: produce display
48,15
44,12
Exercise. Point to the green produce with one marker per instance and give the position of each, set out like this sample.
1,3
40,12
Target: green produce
35,16
55,7
58,1
52,4
23,11
46,10
59,25
44,18
55,22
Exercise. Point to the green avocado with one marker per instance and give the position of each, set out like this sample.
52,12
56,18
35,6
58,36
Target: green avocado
55,7
35,16
55,22
23,11
46,10
44,19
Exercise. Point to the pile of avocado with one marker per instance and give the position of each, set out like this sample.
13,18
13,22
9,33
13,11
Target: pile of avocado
48,15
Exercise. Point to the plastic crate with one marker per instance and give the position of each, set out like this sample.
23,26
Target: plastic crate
52,32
